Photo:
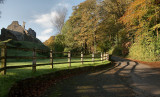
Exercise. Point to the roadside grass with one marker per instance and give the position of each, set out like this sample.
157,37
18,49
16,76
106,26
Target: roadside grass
14,75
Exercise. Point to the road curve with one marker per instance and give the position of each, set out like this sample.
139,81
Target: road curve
125,79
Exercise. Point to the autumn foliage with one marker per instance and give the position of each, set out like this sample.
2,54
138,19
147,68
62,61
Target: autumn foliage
121,27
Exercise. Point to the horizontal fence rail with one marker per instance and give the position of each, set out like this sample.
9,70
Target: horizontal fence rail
4,57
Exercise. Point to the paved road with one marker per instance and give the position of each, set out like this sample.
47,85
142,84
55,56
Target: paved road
125,79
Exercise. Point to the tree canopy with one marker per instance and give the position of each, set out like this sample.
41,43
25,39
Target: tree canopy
121,27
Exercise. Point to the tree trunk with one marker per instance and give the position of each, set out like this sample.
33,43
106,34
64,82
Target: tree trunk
156,24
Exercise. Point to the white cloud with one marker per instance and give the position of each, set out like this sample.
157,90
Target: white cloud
45,19
47,31
43,38
46,34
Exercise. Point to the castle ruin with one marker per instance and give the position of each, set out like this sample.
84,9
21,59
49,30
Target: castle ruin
17,32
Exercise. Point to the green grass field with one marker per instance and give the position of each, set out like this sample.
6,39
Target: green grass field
14,75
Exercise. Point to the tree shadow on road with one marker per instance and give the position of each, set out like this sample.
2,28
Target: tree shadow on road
125,79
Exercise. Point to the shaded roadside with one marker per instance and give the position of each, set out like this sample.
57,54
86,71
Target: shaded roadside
35,86
155,64
125,79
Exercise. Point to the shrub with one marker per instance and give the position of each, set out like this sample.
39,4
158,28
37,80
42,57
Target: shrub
145,49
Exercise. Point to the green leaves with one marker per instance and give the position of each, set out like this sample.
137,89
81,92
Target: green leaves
155,27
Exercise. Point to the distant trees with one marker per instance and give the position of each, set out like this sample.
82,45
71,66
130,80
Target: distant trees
49,42
82,26
94,24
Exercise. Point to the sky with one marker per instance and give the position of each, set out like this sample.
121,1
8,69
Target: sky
36,13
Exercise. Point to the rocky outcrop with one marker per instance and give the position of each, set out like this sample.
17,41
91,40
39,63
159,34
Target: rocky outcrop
17,32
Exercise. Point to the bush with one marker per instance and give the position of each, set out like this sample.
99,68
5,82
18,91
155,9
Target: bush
145,49
116,50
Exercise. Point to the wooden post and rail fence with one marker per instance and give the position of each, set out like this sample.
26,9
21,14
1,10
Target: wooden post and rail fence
4,57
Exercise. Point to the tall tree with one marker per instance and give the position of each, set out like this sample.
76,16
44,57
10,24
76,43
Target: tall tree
59,20
115,9
94,23
85,20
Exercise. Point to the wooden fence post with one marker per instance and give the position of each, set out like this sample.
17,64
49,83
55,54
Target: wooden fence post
4,59
69,58
82,57
107,56
51,58
34,61
93,57
104,56
101,56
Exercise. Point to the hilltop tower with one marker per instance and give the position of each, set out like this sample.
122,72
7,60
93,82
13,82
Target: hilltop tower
23,25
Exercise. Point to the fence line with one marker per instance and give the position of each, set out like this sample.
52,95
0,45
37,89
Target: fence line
4,57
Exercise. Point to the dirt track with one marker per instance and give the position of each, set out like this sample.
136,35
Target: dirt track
125,79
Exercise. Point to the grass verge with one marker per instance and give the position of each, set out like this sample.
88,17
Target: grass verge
14,75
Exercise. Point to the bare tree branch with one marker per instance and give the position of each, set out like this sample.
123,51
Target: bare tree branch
1,1
59,20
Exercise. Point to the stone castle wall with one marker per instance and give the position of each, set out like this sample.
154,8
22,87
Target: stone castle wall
16,32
